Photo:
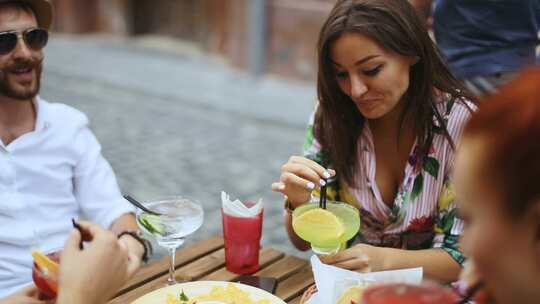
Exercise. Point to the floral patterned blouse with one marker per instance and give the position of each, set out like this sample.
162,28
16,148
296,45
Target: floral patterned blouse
423,214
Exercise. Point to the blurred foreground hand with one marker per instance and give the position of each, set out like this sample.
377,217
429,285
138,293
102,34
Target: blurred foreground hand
28,295
93,275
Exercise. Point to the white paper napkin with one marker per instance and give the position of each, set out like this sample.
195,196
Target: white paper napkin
331,281
237,208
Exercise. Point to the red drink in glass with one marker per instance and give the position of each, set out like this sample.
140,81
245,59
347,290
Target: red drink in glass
242,241
398,293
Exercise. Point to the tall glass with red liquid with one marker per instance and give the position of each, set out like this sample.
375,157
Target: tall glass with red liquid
242,241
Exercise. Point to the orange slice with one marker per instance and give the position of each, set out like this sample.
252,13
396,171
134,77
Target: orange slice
44,262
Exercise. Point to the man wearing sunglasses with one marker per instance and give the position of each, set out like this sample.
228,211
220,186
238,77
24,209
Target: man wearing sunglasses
51,167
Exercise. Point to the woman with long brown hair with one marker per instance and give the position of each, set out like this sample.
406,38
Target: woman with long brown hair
498,185
388,118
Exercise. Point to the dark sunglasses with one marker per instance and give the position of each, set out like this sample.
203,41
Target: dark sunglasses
35,38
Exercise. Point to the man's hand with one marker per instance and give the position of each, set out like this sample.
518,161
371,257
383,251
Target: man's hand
96,273
135,251
28,295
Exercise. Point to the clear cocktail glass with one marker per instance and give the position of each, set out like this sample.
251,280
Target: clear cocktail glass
179,218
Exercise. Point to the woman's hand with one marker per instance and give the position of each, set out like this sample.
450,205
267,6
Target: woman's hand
96,273
28,295
360,258
300,176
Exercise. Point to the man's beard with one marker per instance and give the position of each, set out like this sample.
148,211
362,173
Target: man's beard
9,89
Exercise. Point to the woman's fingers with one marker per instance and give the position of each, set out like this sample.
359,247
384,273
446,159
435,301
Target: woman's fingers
295,182
320,170
299,177
297,189
351,259
358,265
341,256
303,171
278,187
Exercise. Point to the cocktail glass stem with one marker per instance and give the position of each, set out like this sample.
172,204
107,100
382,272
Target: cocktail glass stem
171,280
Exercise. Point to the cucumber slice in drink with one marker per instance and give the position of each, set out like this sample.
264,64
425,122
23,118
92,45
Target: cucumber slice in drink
152,223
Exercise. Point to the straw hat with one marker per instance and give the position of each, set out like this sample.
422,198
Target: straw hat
43,10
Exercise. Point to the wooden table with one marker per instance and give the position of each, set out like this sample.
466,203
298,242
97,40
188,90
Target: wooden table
205,260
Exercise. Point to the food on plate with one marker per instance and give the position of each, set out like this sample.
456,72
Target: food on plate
352,295
227,295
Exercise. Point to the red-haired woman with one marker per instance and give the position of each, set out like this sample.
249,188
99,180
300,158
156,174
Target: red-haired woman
497,179
388,118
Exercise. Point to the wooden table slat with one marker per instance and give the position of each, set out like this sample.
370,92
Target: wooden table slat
295,285
201,267
267,257
283,268
184,256
189,272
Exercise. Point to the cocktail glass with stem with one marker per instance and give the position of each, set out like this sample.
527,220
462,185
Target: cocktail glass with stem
327,230
179,218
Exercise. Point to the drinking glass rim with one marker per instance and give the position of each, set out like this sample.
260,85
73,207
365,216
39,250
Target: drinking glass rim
335,203
170,198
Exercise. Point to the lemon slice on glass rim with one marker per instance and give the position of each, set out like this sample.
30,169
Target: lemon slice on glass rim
319,226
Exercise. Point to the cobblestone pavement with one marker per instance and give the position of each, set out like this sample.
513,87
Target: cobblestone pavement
162,144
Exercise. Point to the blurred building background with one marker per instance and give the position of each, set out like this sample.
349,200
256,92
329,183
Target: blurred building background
191,97
261,36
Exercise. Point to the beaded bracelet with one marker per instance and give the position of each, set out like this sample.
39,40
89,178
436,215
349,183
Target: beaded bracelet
137,235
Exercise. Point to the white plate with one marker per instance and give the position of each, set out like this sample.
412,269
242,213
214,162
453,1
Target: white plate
192,289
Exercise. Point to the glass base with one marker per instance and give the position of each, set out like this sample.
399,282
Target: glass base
174,282
170,243
171,281
325,250
318,250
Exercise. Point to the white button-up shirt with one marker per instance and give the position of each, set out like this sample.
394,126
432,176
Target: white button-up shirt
48,177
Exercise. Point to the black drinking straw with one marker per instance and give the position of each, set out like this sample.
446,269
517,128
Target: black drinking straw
139,205
322,198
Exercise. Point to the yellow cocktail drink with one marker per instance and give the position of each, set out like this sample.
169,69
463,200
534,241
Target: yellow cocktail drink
327,230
